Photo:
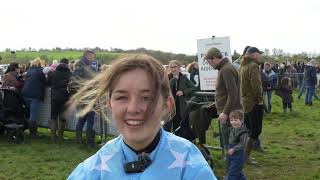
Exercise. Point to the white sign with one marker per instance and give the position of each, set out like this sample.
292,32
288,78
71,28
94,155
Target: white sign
208,76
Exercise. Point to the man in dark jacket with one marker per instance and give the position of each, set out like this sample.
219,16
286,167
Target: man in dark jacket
252,99
85,71
310,77
59,80
227,94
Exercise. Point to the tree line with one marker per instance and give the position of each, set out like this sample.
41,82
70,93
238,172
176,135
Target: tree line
105,56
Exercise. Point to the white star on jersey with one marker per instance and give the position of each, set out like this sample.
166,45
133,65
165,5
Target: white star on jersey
104,166
180,160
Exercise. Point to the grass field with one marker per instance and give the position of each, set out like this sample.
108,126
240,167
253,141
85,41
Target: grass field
291,140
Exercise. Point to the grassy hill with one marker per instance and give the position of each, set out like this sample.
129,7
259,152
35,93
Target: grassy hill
49,56
291,140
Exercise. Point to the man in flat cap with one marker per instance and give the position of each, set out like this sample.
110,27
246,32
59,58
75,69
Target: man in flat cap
251,96
227,93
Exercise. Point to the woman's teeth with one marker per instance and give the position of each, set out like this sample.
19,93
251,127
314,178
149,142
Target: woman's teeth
135,123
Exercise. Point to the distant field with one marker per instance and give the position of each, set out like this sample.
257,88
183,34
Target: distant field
291,140
49,56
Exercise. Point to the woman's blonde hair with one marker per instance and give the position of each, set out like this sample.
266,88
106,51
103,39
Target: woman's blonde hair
175,62
99,89
36,62
191,66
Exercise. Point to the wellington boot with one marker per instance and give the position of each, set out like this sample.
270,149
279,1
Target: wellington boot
53,130
33,129
90,139
79,137
61,128
248,148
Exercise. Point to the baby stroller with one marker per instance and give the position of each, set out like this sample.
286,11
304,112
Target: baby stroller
188,129
12,114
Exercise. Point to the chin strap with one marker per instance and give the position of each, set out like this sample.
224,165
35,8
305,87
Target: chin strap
138,166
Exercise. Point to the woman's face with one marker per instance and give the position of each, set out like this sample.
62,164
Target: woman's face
17,70
174,68
130,98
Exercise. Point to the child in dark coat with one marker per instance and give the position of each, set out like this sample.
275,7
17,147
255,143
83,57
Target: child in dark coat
285,92
237,140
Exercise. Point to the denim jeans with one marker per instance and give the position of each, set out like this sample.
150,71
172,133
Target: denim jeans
89,118
302,89
235,164
310,93
33,107
269,98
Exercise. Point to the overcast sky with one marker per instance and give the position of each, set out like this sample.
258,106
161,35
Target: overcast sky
167,25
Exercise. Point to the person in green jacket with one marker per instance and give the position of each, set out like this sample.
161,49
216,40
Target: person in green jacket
181,89
252,98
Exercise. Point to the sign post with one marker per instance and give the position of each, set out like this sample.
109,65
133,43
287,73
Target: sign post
208,76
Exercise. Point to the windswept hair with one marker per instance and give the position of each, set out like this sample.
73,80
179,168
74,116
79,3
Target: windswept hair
95,93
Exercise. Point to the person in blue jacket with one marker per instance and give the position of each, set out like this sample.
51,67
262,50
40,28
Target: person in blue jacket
136,91
33,94
269,83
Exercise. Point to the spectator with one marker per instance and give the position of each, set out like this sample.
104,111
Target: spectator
193,69
275,67
268,84
83,71
33,93
291,72
252,99
300,71
237,139
136,90
59,80
11,75
181,88
236,63
310,78
303,89
54,65
285,92
227,94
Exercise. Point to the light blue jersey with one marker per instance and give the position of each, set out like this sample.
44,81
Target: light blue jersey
173,159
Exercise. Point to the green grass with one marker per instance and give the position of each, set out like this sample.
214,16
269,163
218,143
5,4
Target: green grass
291,140
292,143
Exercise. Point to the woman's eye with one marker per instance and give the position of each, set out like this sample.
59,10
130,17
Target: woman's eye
121,98
145,98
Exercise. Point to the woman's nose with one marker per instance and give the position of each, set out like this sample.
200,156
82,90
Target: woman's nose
134,106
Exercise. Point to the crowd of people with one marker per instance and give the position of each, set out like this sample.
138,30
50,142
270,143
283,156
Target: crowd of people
240,92
64,79
141,95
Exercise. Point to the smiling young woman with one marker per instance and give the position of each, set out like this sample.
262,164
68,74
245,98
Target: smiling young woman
136,91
